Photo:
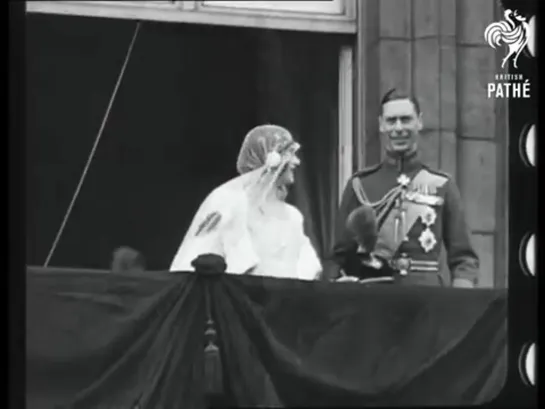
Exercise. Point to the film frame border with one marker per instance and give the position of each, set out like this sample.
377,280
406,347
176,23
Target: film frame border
520,386
523,220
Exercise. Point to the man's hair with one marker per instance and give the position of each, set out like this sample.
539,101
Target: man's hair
394,95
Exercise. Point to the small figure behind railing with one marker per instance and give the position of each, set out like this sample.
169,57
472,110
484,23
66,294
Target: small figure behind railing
126,259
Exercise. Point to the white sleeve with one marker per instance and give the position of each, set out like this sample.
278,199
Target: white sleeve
220,226
308,266
190,250
193,244
237,245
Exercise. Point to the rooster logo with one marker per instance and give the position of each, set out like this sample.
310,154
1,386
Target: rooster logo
513,31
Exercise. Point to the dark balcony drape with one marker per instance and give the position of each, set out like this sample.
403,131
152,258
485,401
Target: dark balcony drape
110,341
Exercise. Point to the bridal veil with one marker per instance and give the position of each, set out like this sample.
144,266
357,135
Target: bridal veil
246,220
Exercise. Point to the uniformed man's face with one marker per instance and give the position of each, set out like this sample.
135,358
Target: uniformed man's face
400,125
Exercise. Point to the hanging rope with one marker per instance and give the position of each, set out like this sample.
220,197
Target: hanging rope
93,150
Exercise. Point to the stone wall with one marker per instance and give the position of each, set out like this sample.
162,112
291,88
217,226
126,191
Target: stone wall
436,49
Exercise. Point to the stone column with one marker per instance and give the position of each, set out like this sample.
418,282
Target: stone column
410,44
434,79
481,142
383,60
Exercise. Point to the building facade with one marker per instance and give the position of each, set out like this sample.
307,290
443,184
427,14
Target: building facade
435,48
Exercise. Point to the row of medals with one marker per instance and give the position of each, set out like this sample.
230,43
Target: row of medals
427,238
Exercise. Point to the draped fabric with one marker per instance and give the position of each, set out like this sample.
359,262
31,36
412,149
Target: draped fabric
298,77
112,341
107,340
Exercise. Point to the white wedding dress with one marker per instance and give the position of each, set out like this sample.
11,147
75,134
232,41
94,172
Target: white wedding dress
246,222
265,236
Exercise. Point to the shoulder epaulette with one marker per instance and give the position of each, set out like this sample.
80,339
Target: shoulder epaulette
438,172
367,171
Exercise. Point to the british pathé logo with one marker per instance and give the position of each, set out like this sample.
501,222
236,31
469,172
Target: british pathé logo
513,31
509,86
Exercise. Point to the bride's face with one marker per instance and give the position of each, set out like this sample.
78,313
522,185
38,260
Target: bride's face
287,176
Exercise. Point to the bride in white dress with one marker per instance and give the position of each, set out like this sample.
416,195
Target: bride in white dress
247,221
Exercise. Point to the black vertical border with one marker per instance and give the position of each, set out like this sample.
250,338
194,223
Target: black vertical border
16,204
522,221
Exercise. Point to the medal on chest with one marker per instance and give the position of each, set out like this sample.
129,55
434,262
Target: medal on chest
427,239
427,194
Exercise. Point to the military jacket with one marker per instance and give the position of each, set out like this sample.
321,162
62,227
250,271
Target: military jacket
418,210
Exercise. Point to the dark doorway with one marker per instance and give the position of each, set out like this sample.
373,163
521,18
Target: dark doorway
173,133
188,96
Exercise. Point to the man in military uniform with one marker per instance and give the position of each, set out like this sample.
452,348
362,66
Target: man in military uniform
416,209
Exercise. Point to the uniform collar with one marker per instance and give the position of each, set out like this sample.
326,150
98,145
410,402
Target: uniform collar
410,161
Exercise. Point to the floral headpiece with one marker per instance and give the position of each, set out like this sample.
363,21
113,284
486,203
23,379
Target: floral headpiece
282,153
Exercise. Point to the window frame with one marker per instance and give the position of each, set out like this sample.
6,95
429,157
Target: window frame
197,12
346,112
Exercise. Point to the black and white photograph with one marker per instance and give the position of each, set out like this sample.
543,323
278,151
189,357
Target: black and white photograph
279,203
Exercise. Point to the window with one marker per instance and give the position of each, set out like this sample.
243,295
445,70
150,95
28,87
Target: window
336,16
321,7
